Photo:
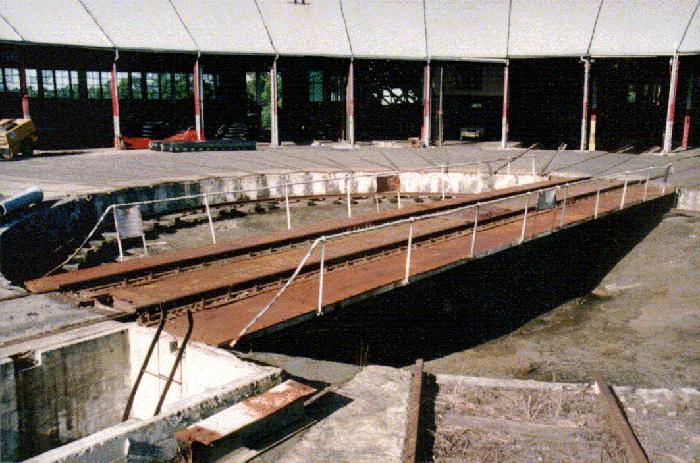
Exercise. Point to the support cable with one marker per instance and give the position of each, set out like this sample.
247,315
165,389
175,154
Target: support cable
97,23
187,29
14,29
595,26
425,32
267,30
347,31
687,26
510,9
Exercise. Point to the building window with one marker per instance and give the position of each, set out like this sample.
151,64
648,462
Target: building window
152,86
63,89
106,83
209,84
123,85
11,79
316,86
166,86
338,85
32,83
182,86
48,83
136,80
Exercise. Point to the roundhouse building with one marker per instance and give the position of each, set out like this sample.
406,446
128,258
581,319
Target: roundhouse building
588,74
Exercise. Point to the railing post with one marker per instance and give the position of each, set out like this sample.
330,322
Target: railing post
527,204
442,182
476,224
348,184
408,251
563,206
211,221
534,170
398,198
668,171
624,190
119,239
646,185
508,166
597,203
286,205
319,308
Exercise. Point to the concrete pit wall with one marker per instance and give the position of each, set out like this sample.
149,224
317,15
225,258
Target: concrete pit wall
68,406
37,242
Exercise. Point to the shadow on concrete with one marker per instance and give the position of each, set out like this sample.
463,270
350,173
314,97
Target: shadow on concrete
472,304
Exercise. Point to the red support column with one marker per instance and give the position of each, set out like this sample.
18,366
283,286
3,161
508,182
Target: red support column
118,142
350,105
504,117
426,105
584,115
197,100
594,107
23,91
688,106
671,110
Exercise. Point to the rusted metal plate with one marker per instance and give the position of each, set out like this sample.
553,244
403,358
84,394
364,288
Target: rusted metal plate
245,413
121,270
221,325
387,183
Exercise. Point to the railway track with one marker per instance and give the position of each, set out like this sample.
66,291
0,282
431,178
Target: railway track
226,285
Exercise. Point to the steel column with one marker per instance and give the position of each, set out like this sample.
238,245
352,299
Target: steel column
274,123
688,106
594,106
23,91
350,105
198,100
426,105
671,110
441,122
115,107
584,114
504,116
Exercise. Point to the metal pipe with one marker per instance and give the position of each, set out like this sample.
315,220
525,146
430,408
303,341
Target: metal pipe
119,240
504,115
398,198
563,206
211,221
190,324
286,206
671,110
688,107
584,110
442,182
408,251
624,190
646,185
441,122
26,198
666,174
319,308
144,364
522,231
476,224
597,203
532,164
426,105
348,185
508,166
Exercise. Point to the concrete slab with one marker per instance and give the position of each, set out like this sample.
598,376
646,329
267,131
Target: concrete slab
102,170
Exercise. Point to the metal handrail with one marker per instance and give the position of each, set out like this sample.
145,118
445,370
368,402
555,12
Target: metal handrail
412,219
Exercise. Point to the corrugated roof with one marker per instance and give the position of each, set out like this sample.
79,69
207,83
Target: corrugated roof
386,28
141,24
55,21
315,28
467,28
641,27
218,28
551,27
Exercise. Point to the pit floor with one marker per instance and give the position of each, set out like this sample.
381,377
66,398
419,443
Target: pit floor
101,170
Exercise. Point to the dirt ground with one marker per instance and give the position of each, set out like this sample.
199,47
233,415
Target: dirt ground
640,326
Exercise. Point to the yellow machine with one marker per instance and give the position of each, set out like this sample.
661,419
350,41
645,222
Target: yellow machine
17,137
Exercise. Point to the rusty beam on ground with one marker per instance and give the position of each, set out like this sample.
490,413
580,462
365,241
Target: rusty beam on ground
414,399
618,421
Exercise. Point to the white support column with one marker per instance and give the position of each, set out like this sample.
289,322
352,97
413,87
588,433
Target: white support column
274,123
671,110
350,105
584,111
23,91
426,105
504,116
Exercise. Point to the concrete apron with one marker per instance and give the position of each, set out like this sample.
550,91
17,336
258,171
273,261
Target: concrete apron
33,244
